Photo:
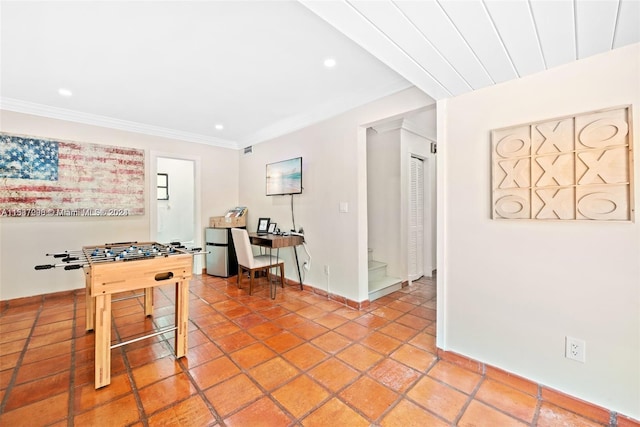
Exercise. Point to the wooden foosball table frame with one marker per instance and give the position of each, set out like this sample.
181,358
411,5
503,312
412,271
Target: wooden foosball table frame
103,279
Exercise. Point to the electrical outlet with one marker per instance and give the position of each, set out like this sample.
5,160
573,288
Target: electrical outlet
306,265
575,349
326,270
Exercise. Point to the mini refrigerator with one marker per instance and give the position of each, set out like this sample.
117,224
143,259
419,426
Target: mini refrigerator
221,254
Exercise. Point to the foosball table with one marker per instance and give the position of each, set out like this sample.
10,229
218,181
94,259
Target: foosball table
121,267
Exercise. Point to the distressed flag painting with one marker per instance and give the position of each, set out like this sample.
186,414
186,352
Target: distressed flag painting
43,177
28,158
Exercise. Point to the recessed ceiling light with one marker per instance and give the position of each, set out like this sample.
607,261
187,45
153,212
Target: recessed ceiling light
219,127
65,92
329,62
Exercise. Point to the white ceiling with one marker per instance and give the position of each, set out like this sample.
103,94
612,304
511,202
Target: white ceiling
179,68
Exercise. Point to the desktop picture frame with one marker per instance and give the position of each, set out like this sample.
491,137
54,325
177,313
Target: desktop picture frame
272,227
263,225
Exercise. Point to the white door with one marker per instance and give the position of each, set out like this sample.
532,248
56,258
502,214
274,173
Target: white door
416,219
176,213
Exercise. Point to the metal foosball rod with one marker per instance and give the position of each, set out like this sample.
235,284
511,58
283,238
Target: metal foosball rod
76,262
69,256
79,263
65,254
79,251
76,253
72,265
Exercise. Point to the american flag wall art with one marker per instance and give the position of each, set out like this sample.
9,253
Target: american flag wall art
45,177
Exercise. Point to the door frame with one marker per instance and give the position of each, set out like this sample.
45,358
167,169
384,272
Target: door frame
197,208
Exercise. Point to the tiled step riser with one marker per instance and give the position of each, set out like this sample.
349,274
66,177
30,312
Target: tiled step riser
377,273
380,292
379,283
377,270
383,286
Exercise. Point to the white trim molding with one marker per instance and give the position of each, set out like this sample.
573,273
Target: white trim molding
26,107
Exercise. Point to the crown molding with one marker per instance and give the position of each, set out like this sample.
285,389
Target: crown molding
275,130
389,126
414,128
402,124
323,112
26,107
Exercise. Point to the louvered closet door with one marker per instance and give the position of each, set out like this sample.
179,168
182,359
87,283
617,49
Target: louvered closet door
416,220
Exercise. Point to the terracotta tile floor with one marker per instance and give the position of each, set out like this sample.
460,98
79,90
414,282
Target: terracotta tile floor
297,360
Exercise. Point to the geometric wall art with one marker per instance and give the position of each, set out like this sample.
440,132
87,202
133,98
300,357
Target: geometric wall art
45,177
568,168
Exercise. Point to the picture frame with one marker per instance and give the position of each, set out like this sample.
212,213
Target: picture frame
272,227
284,177
263,225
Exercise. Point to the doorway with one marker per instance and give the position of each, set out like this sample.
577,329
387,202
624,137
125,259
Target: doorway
175,201
174,214
420,132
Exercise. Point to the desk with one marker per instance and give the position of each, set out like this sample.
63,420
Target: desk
275,241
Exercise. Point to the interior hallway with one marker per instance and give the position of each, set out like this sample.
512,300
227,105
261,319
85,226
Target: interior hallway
297,360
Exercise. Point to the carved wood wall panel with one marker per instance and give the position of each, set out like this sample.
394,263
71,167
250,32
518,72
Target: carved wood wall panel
568,168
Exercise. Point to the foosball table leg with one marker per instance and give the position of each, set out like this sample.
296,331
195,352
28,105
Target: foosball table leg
103,341
182,317
90,302
148,302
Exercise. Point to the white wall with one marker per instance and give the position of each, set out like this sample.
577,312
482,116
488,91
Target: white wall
514,289
383,199
25,241
334,171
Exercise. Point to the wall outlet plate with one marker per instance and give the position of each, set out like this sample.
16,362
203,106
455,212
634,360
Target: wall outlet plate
575,349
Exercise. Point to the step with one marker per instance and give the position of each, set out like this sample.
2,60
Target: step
383,286
377,270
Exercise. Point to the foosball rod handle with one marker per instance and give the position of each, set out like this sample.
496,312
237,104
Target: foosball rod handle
64,254
67,257
66,266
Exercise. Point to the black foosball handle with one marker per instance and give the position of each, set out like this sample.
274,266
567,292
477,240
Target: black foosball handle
72,267
44,266
70,258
